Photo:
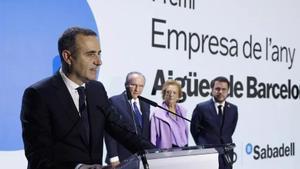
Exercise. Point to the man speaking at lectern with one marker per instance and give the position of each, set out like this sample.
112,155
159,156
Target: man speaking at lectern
214,121
64,116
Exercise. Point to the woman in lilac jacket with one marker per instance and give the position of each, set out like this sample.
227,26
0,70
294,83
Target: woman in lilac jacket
168,130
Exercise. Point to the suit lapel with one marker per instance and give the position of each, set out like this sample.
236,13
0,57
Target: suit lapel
92,103
145,116
65,100
226,113
128,106
131,114
67,103
144,112
214,113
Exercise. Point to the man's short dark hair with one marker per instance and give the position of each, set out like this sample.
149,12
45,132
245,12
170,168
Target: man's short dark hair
67,40
219,79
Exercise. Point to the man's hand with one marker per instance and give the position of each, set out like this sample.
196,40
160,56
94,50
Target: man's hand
114,164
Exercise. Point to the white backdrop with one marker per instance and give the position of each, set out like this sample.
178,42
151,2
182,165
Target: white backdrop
127,29
241,40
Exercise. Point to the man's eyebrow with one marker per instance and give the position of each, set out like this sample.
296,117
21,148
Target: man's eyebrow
94,52
91,52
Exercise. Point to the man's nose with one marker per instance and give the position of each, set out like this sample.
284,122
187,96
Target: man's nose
98,61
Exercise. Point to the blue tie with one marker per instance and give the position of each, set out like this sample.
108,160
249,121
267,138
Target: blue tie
138,114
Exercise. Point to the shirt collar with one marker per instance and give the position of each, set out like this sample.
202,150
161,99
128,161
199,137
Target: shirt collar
69,83
135,100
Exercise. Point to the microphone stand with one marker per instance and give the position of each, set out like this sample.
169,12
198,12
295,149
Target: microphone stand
227,148
152,103
141,154
144,161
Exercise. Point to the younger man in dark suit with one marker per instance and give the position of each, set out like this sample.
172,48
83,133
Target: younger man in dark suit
214,121
64,116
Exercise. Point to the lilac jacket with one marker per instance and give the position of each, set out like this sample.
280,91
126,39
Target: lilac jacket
167,130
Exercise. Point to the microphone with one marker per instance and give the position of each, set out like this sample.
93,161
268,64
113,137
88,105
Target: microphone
228,148
152,103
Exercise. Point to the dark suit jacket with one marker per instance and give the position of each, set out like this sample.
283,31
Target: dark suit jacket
52,126
206,129
122,105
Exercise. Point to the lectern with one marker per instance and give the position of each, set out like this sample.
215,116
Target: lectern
175,158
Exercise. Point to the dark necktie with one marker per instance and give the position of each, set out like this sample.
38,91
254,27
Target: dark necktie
220,114
138,115
83,112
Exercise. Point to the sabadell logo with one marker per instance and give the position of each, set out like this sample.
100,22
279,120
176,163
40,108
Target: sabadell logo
259,152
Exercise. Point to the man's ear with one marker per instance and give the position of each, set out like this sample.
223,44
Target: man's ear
66,56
